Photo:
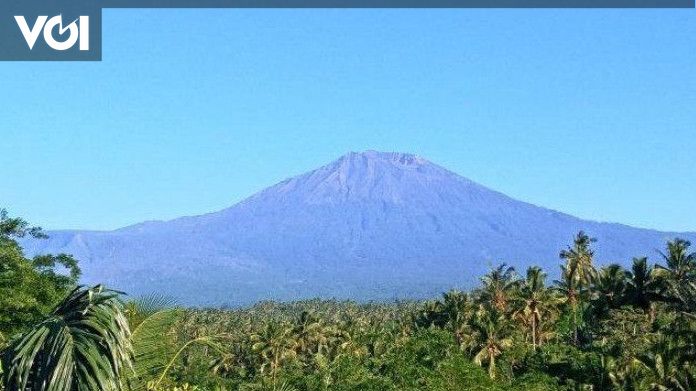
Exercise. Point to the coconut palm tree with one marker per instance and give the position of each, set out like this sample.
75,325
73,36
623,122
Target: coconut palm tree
432,313
571,290
488,338
83,345
668,366
623,376
315,342
579,257
577,274
498,286
456,304
688,299
679,273
458,307
608,290
536,302
274,344
308,334
679,261
643,288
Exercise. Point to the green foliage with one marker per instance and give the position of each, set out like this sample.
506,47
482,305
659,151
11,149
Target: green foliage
459,373
351,374
183,387
153,341
535,381
29,288
568,364
16,227
412,363
607,329
83,345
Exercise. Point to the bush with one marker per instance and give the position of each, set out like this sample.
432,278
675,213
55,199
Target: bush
459,373
412,364
567,363
535,381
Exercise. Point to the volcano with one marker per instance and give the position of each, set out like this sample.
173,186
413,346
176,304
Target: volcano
368,226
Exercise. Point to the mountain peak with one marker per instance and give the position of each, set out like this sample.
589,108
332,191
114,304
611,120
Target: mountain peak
397,158
370,165
391,177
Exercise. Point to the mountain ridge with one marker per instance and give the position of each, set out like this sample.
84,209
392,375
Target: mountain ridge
369,225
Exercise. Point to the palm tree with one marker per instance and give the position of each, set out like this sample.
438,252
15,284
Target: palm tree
688,299
308,334
275,344
643,289
487,341
457,306
680,270
680,262
568,286
537,301
609,287
623,376
315,342
577,274
579,257
432,313
498,286
84,345
668,366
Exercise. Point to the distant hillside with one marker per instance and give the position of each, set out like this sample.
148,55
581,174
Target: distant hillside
369,225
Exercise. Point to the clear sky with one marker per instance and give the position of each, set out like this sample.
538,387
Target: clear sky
591,112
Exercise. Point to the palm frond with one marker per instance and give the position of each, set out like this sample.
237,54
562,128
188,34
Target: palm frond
153,345
142,307
83,345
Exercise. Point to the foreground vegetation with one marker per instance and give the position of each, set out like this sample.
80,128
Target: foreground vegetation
590,329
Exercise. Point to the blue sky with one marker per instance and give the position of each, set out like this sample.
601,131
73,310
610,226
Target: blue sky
591,112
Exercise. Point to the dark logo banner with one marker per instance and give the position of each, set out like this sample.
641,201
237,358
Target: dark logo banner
32,30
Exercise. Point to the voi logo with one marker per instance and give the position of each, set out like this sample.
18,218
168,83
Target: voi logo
78,32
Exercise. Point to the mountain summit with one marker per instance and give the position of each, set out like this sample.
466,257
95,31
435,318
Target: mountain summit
370,225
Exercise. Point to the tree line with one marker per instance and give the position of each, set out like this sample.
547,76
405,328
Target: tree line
591,328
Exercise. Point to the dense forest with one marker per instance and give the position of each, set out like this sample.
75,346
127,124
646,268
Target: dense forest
581,327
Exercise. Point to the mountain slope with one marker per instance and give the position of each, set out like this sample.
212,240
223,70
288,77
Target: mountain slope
370,225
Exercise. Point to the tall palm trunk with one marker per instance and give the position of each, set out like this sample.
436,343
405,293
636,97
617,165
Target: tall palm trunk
573,300
575,324
534,333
